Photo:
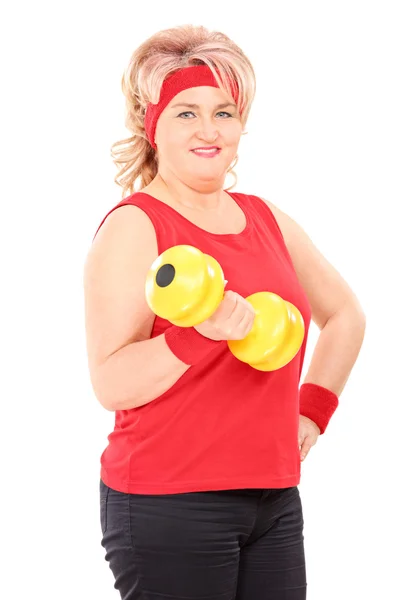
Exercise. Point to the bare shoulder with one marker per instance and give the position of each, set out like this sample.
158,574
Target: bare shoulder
123,221
326,289
116,312
127,234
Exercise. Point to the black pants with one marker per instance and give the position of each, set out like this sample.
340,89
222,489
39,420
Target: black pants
223,545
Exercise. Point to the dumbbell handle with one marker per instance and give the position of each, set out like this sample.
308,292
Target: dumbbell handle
186,286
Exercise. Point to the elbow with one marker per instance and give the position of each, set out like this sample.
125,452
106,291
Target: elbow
115,391
358,309
354,318
110,406
104,399
109,393
356,313
114,400
362,317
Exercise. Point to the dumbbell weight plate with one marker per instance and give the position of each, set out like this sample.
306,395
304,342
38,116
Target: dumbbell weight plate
184,285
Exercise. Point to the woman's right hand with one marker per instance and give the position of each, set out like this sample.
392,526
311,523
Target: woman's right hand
232,320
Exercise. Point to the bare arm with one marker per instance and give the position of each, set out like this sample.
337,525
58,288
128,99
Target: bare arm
335,308
127,369
337,349
137,374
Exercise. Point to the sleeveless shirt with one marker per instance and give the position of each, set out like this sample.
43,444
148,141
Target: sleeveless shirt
223,424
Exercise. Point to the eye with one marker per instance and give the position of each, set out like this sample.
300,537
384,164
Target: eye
189,112
185,113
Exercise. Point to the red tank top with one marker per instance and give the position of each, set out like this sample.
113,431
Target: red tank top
223,424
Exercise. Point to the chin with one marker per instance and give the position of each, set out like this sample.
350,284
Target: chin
207,186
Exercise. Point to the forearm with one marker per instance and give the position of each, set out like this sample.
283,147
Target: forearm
337,349
137,374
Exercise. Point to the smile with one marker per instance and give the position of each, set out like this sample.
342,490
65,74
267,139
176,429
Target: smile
207,153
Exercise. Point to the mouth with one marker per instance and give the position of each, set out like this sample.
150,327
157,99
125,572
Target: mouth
206,152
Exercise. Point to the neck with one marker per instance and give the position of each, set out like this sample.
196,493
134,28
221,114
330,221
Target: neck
208,197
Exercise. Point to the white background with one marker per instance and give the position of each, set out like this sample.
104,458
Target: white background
323,144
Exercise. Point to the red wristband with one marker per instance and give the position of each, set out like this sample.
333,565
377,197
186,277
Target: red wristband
188,344
317,403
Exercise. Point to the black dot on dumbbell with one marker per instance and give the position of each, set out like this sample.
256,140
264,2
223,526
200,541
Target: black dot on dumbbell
165,275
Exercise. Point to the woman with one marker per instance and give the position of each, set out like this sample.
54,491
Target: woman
198,489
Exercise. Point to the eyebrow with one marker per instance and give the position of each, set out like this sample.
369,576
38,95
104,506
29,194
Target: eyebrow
223,105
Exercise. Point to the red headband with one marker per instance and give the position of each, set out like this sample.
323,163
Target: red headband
188,77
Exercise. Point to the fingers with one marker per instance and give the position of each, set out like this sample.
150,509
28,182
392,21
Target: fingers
234,317
305,447
227,307
231,302
307,435
240,320
245,324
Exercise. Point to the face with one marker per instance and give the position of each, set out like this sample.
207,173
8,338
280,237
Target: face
214,121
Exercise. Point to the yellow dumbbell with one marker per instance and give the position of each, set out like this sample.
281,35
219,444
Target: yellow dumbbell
186,286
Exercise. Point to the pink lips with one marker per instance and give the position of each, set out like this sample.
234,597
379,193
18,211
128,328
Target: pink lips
208,154
207,148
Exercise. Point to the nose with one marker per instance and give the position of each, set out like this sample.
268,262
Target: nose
208,130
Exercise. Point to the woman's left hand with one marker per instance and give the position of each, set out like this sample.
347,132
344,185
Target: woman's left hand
308,435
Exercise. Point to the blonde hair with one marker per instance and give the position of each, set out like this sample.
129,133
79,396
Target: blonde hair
158,57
